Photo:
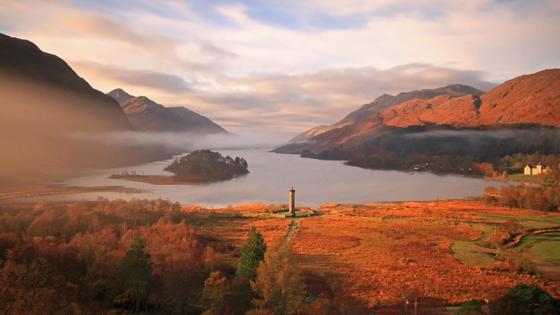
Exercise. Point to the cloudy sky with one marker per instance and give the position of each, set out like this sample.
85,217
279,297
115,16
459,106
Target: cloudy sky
283,66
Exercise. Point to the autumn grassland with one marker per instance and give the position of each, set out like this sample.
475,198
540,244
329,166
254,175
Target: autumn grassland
376,255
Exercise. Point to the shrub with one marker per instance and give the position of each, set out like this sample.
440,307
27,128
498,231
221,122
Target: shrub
523,300
529,197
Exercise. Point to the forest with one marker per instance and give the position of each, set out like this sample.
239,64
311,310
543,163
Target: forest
529,197
157,257
105,257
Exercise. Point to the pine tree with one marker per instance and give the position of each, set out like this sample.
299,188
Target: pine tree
137,273
252,253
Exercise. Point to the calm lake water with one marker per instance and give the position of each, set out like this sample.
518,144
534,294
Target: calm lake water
273,174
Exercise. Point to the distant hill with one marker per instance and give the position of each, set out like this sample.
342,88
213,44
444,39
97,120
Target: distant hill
147,115
528,99
366,120
46,113
36,83
366,117
407,123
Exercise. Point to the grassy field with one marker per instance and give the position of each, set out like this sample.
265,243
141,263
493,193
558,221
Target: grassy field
537,179
376,253
533,179
471,254
543,247
542,250
542,220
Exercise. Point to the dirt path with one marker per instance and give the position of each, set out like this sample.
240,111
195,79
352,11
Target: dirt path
291,230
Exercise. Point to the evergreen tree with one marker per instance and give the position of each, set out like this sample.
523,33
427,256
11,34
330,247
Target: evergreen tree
252,253
278,285
137,273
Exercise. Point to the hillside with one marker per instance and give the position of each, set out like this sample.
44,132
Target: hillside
49,116
42,83
528,99
147,115
367,116
518,116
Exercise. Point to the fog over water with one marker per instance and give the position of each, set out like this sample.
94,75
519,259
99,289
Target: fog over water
272,174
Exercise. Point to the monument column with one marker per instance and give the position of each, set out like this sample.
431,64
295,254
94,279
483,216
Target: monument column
292,206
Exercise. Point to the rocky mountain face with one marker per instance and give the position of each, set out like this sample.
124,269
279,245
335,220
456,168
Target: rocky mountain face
529,99
362,121
147,115
526,100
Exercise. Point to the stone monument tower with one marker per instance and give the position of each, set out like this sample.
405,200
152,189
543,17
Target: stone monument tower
292,206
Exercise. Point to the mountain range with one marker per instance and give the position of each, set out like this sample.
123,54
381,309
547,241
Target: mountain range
45,109
532,99
51,120
53,123
147,115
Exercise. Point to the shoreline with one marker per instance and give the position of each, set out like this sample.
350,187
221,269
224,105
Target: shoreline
58,190
169,180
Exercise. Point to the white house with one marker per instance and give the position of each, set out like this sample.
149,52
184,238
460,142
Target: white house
536,170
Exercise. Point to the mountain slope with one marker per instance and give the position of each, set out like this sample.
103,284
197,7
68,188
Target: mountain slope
147,115
528,99
120,95
49,117
386,101
25,68
367,117
533,98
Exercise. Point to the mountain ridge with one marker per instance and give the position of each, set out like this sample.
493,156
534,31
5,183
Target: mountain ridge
371,110
527,99
53,123
147,115
24,61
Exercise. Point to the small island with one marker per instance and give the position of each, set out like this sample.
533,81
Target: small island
201,166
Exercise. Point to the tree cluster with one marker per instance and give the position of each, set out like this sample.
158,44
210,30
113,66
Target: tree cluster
519,300
206,165
542,198
99,257
452,150
139,256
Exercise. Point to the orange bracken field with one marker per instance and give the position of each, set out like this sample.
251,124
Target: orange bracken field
381,253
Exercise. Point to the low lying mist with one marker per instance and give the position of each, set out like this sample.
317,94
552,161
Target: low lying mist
48,133
179,142
499,133
483,144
